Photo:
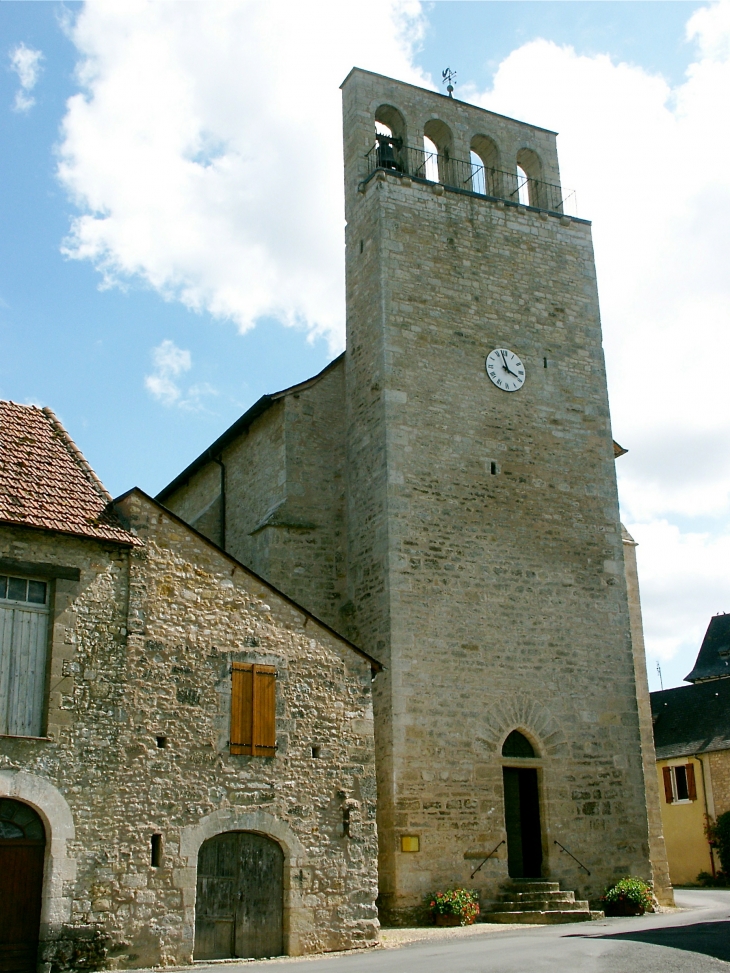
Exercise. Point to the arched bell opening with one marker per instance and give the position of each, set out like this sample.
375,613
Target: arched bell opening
22,853
239,904
438,151
522,818
530,186
390,137
485,165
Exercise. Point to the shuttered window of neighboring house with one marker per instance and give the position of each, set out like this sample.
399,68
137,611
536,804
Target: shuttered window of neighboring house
253,709
679,784
23,648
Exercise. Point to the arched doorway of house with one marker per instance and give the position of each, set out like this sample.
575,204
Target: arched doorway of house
239,902
522,808
22,847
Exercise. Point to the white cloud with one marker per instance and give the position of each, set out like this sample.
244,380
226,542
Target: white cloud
684,580
170,362
26,62
205,150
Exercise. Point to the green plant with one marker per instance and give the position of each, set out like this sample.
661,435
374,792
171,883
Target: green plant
718,834
712,881
632,890
456,902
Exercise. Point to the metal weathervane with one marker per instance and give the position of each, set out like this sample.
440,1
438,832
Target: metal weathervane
448,76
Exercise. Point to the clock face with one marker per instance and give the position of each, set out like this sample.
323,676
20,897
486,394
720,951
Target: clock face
505,369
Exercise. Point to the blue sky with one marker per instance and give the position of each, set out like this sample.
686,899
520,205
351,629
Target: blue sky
147,359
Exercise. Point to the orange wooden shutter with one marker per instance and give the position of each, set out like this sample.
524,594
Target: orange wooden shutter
264,711
691,785
253,709
667,773
241,707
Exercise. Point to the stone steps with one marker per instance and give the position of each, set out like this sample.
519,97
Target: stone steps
533,901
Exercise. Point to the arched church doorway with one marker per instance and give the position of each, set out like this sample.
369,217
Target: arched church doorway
22,848
239,903
522,810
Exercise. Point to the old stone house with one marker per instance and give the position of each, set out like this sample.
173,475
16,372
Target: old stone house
692,738
186,754
444,494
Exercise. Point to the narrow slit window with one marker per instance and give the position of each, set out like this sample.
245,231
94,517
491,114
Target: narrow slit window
156,850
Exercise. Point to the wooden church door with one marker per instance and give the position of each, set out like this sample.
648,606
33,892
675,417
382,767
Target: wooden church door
240,897
22,848
522,822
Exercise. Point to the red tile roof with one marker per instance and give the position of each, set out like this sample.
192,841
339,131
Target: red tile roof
46,482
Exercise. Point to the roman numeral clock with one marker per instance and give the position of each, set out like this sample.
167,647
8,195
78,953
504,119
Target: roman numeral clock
505,369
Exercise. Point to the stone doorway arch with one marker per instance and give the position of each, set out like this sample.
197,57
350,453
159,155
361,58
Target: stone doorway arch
59,870
298,918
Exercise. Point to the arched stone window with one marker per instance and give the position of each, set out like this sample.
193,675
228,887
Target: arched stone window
486,177
529,174
438,134
517,745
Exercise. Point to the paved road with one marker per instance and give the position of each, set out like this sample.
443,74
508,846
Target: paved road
692,941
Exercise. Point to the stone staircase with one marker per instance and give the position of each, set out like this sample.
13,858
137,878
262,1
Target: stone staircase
535,901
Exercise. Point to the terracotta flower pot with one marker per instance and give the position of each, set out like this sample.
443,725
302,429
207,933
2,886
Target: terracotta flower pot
450,920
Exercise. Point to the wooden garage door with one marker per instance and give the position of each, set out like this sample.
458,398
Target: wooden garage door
240,897
22,846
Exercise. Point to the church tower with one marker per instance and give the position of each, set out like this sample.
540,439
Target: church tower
484,551
444,495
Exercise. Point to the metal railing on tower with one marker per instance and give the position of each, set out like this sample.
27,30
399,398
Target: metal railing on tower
392,155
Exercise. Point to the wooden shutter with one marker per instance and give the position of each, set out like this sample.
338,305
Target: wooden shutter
253,709
691,785
668,793
23,645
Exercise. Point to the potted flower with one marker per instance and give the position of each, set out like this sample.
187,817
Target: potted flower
628,897
455,907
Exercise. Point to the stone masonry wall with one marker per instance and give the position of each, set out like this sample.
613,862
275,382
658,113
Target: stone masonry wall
485,553
659,863
719,762
285,498
142,648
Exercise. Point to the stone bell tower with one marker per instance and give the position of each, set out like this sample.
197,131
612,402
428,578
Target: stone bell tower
484,553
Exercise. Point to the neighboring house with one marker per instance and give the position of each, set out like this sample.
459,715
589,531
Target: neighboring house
186,755
692,739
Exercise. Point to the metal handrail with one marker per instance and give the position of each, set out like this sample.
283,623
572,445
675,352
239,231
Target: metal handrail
486,859
392,155
563,848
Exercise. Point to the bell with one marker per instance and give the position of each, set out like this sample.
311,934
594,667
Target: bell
386,155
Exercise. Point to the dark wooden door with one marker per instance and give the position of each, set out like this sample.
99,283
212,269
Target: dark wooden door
240,897
22,848
522,822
